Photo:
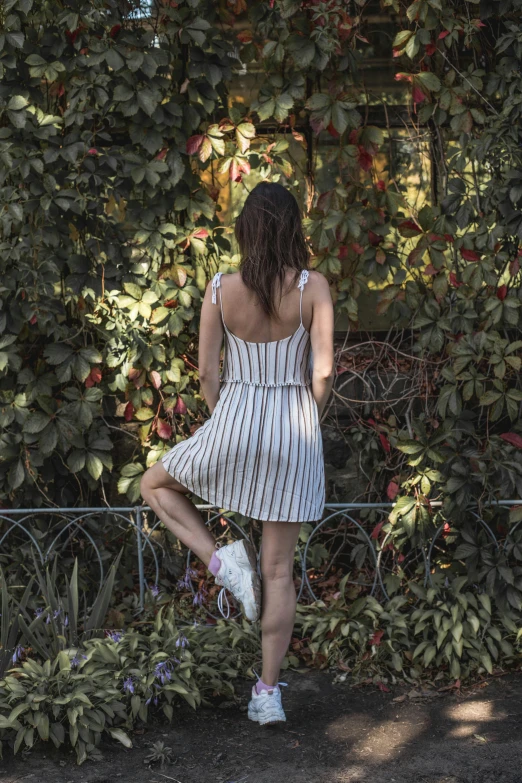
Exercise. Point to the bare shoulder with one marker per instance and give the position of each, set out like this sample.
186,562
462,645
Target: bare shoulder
235,276
319,284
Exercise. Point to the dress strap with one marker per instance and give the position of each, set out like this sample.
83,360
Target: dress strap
301,284
216,283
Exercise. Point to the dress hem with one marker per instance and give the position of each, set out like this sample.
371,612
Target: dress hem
236,507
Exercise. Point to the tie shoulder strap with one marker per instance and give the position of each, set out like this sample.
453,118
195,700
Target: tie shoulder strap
216,283
303,279
301,284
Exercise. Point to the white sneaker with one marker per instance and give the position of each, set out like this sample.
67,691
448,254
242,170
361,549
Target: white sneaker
265,708
238,573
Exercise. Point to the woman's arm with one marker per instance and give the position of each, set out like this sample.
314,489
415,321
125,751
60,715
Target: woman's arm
322,334
210,342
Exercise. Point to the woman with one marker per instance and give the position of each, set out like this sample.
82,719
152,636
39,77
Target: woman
260,453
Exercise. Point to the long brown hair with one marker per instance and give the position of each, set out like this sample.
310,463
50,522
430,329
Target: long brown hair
270,236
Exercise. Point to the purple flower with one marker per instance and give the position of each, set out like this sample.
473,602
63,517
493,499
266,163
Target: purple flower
57,613
66,620
185,582
200,596
77,660
182,642
17,655
114,636
38,612
128,685
163,670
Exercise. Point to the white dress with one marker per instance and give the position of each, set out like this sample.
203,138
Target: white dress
261,451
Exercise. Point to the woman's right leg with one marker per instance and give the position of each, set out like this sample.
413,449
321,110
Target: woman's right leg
279,597
231,565
167,498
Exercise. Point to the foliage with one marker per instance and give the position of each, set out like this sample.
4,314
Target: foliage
428,634
107,685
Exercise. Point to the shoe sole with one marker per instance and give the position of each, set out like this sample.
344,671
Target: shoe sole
267,722
256,582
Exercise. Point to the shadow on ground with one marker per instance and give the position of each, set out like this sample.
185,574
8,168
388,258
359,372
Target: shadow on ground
334,734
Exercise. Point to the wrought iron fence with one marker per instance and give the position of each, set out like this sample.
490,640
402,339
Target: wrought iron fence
340,529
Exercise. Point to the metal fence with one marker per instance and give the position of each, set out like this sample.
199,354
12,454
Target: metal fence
339,527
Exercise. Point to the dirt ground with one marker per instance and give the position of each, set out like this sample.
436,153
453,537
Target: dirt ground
334,733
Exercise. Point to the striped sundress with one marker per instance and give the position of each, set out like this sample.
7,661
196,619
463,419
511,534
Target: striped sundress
261,452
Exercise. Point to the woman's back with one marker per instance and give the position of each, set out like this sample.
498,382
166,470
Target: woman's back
245,318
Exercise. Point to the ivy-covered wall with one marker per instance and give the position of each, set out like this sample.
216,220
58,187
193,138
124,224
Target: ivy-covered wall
119,133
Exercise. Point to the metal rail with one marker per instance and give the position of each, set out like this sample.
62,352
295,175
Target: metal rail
143,526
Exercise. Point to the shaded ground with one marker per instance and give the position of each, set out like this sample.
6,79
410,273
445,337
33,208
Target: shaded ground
333,734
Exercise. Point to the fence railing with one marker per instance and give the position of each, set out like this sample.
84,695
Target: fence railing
339,527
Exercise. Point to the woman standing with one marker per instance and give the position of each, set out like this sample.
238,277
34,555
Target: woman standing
260,453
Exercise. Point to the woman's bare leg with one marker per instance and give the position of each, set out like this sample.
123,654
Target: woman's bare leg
279,598
167,498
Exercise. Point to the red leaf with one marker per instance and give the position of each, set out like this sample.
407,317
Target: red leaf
374,238
430,270
513,438
453,280
201,233
417,94
469,255
514,267
245,36
332,131
403,77
392,490
94,376
410,225
194,143
502,292
155,378
163,429
385,443
431,49
179,407
382,687
446,530
129,411
365,159
162,154
376,638
381,185
135,377
376,530
357,248
92,151
115,30
170,303
33,319
443,34
72,36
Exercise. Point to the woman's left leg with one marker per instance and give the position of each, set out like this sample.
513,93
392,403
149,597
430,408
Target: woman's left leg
279,597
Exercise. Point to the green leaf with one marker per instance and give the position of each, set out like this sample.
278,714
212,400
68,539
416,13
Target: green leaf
94,465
